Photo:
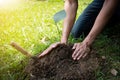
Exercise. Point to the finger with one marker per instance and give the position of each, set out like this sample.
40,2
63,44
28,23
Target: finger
75,45
49,49
45,52
77,55
55,44
85,55
74,55
81,53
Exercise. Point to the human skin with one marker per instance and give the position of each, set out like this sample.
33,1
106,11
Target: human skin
82,49
100,22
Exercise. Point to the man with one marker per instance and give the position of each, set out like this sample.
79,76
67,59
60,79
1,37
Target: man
90,23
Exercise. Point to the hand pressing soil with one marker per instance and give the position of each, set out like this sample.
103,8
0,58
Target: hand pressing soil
59,65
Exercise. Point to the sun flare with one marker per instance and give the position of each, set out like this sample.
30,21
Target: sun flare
9,3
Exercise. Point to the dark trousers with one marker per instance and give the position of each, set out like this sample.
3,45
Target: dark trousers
86,20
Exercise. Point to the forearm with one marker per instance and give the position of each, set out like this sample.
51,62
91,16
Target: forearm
102,19
71,9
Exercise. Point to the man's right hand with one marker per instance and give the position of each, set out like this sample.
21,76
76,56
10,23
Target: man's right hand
49,49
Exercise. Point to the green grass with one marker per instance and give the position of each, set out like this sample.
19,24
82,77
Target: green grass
31,25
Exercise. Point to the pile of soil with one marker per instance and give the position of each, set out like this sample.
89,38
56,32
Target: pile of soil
59,65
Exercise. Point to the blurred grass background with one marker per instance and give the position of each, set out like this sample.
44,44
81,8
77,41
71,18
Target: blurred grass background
31,25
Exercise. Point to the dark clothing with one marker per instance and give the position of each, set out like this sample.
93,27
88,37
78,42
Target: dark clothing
86,20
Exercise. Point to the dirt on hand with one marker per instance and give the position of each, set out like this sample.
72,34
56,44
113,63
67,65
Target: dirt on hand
59,65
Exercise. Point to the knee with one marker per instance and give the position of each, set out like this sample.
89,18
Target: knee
74,34
79,33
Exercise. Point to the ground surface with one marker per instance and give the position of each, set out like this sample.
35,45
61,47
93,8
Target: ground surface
31,25
59,65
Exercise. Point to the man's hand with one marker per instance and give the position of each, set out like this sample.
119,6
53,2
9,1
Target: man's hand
49,49
80,50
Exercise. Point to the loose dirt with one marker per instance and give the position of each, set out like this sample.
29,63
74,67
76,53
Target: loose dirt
59,65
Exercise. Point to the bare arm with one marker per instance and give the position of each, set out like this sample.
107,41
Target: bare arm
102,19
71,9
82,49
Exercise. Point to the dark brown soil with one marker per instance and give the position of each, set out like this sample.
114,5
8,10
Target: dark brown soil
59,65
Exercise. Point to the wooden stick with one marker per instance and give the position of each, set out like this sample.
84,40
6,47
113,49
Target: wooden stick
19,48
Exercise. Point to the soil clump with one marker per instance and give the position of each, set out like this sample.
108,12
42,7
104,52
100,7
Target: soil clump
59,65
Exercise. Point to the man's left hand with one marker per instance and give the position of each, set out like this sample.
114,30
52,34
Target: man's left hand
80,51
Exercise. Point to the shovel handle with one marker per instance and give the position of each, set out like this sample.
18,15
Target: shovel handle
19,48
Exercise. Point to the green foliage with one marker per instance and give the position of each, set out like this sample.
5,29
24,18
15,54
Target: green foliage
31,25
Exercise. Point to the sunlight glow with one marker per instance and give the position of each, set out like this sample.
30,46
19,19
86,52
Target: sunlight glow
9,3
